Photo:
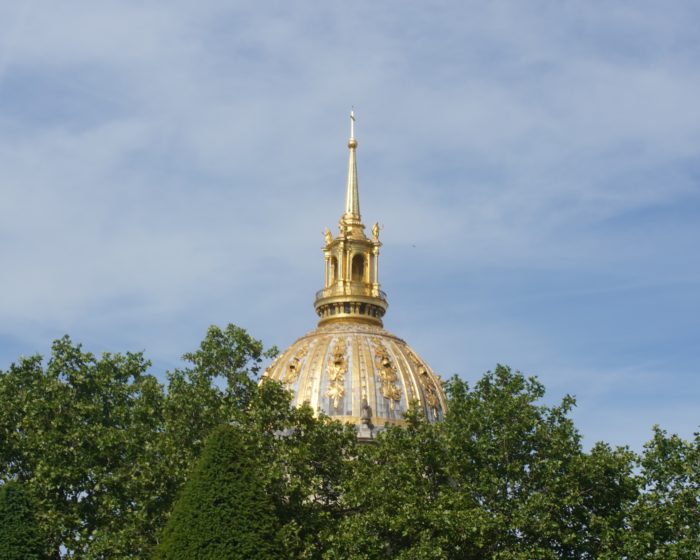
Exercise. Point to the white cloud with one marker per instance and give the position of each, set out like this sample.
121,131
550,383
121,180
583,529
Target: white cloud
160,160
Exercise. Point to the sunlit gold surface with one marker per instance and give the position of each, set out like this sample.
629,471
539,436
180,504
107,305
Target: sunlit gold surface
350,368
343,363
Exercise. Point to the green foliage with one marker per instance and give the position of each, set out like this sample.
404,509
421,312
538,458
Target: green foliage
501,478
291,465
664,524
19,532
225,511
82,435
306,468
266,483
103,449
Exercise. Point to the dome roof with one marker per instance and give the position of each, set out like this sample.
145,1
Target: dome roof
350,368
358,373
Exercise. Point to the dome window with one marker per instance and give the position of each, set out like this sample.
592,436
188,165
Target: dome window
358,268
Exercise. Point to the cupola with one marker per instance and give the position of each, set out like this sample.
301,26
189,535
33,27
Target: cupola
351,289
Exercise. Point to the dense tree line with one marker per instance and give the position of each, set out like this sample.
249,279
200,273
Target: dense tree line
106,462
20,537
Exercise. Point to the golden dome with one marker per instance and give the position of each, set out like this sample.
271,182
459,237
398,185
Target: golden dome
350,368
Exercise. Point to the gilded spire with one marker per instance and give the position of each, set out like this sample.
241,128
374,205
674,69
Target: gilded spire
352,196
351,288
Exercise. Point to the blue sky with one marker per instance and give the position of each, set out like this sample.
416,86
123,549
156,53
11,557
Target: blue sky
535,165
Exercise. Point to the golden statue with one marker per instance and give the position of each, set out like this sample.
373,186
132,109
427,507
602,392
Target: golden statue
375,231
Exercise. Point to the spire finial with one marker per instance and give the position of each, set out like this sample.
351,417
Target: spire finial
352,196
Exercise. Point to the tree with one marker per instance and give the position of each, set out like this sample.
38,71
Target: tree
523,463
265,483
306,467
104,447
396,495
20,538
664,523
225,511
501,478
82,436
215,387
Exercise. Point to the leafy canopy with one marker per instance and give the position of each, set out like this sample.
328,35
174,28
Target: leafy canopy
103,450
20,538
224,511
103,447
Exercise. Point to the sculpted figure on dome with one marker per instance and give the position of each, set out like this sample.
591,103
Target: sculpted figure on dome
294,366
337,368
387,374
366,413
375,231
426,381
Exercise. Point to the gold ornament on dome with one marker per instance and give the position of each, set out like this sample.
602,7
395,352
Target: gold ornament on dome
426,381
388,374
294,365
270,368
337,368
